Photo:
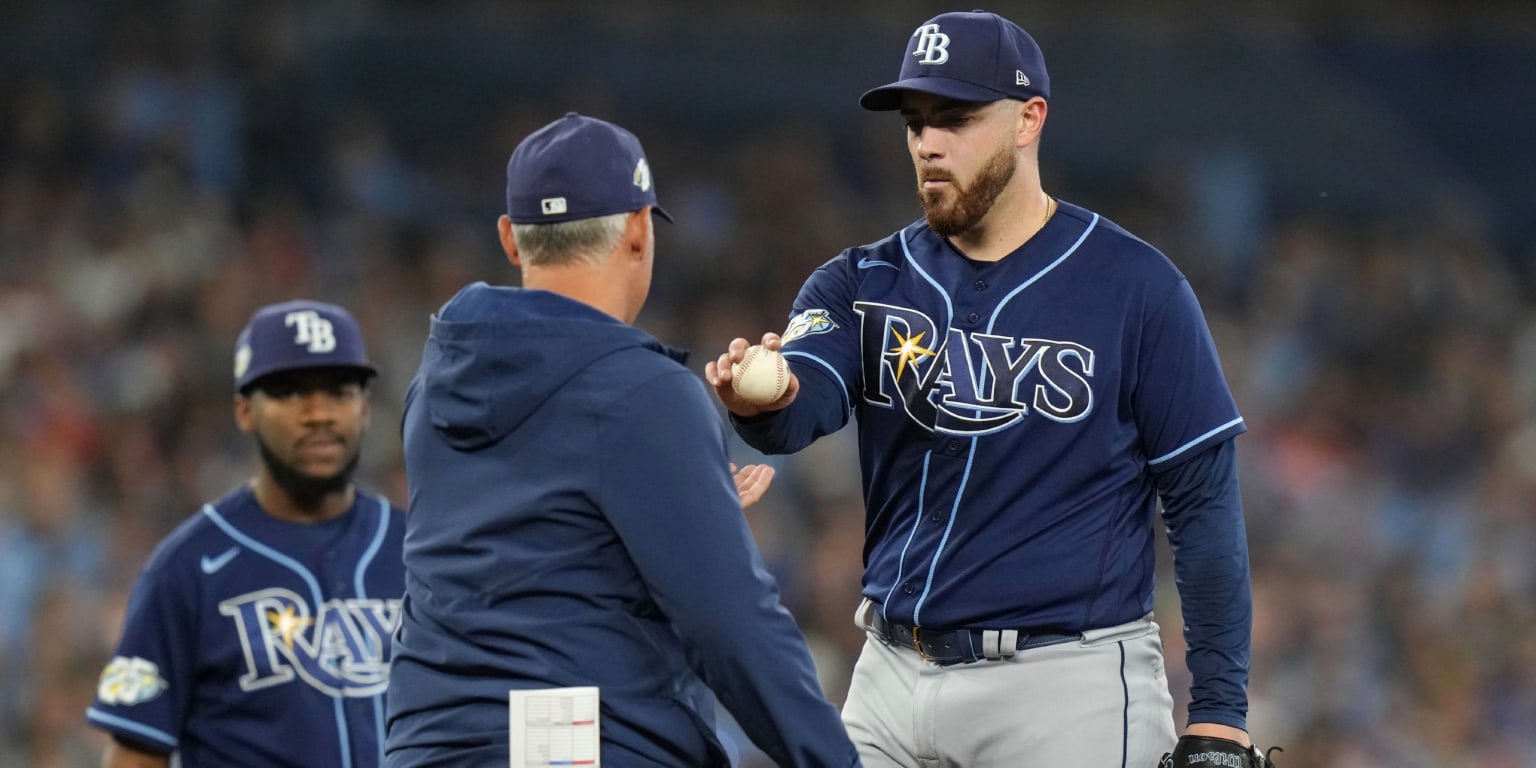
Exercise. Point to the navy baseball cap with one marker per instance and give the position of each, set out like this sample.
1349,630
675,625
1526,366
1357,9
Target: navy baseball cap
578,167
295,335
974,56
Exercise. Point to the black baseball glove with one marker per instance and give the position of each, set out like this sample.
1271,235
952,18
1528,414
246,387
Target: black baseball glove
1211,752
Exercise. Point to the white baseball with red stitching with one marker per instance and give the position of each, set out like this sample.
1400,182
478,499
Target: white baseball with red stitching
762,375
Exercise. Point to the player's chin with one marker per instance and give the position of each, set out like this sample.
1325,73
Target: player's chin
321,473
330,468
940,206
945,222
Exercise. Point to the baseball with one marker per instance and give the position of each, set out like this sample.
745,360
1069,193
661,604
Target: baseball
762,375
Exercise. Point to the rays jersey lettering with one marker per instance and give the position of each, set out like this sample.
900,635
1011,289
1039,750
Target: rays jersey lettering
341,650
966,382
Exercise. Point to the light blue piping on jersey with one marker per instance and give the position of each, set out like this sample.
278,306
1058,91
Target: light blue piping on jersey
362,593
865,263
901,562
842,385
970,458
129,725
943,294
1195,442
344,735
954,511
1027,283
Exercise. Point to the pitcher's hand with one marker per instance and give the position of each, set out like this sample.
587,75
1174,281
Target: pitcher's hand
718,373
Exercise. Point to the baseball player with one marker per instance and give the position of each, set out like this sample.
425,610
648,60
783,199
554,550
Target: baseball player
573,521
1029,379
259,631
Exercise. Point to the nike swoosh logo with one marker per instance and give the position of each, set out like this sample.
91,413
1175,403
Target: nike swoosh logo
211,565
866,263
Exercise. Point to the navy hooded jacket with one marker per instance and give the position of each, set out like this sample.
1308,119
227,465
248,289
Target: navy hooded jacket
573,522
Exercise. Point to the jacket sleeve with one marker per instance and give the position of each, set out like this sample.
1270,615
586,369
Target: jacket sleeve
1204,514
667,490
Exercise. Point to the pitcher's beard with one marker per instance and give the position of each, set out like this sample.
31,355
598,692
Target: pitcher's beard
969,203
305,490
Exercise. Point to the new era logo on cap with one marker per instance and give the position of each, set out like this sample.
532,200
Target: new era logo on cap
974,56
578,167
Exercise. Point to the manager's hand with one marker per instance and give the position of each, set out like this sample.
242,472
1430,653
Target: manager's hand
752,482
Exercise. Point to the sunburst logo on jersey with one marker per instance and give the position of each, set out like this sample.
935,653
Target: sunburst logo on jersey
809,322
909,350
287,623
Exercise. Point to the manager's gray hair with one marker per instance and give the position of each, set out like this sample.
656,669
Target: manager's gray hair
569,242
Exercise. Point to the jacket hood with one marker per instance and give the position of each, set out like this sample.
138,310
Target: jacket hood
496,354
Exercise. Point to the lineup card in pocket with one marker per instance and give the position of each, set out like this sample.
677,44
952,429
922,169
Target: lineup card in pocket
554,726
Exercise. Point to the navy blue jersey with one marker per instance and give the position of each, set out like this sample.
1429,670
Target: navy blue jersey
254,641
1010,416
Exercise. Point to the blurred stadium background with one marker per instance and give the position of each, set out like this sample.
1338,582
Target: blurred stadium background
1347,184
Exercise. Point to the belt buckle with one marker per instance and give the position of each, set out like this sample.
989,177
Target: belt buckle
917,644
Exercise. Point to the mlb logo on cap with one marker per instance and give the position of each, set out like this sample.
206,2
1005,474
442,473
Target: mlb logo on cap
975,56
296,335
578,167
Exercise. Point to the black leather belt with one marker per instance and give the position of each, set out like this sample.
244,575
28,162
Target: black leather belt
958,646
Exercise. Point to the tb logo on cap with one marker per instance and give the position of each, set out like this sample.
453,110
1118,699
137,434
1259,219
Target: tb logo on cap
932,45
312,331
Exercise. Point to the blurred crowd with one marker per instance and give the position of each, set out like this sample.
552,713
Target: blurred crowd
1386,365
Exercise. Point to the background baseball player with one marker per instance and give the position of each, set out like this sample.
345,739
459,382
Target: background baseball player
1028,379
573,520
259,631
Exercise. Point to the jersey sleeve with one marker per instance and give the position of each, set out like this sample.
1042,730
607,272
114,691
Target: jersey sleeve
143,692
821,343
668,493
1181,401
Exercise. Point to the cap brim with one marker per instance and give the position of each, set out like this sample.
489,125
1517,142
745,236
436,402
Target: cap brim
887,98
662,212
367,371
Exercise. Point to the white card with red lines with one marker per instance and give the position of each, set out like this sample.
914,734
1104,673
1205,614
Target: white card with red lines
554,727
